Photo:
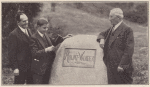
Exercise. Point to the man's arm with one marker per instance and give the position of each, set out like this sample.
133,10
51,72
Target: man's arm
57,40
12,51
35,49
129,49
101,37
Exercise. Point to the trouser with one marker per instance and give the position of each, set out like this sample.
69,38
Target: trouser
24,77
42,79
115,77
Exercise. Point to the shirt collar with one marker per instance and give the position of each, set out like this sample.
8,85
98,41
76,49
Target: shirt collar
40,34
117,25
22,29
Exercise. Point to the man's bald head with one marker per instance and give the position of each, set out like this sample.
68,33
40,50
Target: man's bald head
22,20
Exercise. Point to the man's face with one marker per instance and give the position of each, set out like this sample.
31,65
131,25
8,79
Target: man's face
114,19
43,29
23,21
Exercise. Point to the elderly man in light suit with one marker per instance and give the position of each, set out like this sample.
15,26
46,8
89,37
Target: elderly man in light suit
118,46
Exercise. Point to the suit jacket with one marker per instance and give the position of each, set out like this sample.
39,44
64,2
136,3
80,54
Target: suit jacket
19,52
118,48
41,59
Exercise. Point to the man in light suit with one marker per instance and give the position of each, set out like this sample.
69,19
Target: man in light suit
42,47
19,52
118,46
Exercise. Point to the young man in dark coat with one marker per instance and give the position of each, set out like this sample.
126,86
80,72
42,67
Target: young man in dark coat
19,52
42,48
118,45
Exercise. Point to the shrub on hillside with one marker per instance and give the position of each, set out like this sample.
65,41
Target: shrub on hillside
135,17
134,12
121,5
78,5
9,11
139,15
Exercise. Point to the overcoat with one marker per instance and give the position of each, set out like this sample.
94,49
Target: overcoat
19,52
41,59
118,51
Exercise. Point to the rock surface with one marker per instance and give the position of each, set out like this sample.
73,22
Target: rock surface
79,60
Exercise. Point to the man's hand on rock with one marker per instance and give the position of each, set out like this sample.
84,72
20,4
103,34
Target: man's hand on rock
68,36
101,44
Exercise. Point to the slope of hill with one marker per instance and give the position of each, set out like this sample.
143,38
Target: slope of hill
75,21
133,11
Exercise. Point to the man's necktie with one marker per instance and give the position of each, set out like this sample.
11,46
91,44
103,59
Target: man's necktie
26,32
112,31
45,40
113,28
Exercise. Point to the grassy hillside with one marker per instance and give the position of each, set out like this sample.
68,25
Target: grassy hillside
67,19
133,11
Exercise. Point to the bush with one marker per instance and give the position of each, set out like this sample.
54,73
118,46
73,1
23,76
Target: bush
9,11
139,15
135,17
78,5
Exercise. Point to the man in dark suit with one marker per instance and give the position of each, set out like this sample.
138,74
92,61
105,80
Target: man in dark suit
118,45
19,51
43,55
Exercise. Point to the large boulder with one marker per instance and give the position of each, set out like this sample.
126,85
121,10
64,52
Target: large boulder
79,60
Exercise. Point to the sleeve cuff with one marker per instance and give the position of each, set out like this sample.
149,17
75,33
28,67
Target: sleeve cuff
102,41
124,66
99,38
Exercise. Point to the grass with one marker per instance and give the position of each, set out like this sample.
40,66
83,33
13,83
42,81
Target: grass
74,21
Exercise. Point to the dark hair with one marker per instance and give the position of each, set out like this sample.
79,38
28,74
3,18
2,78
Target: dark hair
18,16
42,21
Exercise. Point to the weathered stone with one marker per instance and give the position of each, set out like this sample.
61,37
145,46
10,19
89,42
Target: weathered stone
79,60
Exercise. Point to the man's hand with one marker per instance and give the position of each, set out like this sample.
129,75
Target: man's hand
101,45
48,49
68,36
16,72
120,69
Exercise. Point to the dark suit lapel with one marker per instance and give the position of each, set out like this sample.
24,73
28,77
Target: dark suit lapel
22,35
116,33
108,34
48,40
40,39
29,32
